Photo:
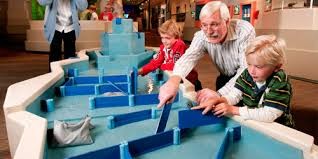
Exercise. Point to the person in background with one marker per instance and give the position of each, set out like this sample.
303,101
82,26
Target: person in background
263,87
171,49
93,14
107,14
225,40
61,23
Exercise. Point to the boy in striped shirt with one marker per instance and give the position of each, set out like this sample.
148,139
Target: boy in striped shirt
263,87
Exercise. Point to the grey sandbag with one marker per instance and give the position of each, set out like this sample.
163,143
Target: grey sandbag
71,134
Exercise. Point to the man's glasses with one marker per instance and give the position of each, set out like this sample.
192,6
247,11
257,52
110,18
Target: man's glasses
212,26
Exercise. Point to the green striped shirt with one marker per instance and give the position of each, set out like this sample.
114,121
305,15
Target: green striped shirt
277,93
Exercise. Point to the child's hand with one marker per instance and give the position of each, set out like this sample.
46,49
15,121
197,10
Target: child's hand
225,109
209,105
206,94
140,71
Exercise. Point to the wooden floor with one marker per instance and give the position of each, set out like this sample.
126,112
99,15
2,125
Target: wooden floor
17,65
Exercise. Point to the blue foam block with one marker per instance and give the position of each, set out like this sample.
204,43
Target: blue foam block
194,118
115,101
134,80
145,99
79,90
86,80
150,143
72,72
122,25
128,118
112,152
69,82
124,151
163,118
116,78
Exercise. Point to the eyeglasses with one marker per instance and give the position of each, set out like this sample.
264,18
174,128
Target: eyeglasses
211,26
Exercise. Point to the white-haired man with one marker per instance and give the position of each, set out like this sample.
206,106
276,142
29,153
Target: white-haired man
225,40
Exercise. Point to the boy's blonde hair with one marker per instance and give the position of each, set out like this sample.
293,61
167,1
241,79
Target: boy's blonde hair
269,48
213,6
170,27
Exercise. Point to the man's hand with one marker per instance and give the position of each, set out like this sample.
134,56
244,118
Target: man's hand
206,94
210,104
168,91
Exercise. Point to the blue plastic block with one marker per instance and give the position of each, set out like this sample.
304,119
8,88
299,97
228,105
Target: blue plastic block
72,72
153,112
128,118
122,87
134,80
122,25
112,152
124,151
62,91
176,136
124,44
79,90
194,118
115,101
131,100
163,118
145,99
86,80
97,92
150,143
50,105
111,122
91,103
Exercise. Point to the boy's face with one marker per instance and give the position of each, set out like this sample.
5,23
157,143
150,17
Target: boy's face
214,27
258,69
167,40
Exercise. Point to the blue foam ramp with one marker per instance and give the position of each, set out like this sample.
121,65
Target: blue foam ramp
194,118
163,118
128,118
115,101
115,86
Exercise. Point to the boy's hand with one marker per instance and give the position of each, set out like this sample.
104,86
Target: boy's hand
209,105
206,94
225,109
168,91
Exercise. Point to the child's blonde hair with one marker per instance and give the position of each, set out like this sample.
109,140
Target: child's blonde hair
170,27
269,48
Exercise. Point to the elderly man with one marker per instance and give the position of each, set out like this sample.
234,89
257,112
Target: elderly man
225,40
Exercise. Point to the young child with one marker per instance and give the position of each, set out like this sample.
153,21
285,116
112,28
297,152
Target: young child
107,14
171,49
263,87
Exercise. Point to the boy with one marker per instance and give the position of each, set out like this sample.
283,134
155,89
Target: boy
171,49
263,87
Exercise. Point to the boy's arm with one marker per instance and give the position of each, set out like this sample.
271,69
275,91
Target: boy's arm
265,114
153,64
81,4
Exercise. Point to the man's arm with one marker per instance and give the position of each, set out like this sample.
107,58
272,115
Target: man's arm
168,91
242,47
190,58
